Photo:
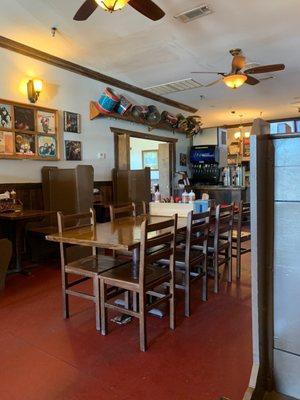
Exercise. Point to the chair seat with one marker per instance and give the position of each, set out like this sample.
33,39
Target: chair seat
244,236
126,274
93,265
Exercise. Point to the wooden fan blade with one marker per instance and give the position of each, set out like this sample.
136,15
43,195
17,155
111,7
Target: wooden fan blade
251,80
147,8
265,68
87,9
206,72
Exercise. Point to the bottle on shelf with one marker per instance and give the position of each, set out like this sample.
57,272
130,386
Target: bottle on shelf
192,196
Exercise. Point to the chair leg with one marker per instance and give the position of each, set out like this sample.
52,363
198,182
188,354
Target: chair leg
103,308
142,318
238,261
204,282
216,273
187,288
96,287
65,296
172,303
229,264
135,301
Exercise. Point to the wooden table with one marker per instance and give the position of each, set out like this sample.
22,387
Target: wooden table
123,234
16,222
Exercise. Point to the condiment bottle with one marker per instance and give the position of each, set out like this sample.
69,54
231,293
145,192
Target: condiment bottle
192,196
157,197
185,197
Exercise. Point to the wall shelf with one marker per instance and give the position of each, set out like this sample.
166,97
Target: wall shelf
95,113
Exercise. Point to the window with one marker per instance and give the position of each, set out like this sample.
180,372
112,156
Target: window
283,127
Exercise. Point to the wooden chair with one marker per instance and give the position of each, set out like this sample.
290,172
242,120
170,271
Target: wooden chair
191,264
240,236
5,257
144,279
88,268
220,247
123,210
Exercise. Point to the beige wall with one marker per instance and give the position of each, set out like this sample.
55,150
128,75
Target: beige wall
66,91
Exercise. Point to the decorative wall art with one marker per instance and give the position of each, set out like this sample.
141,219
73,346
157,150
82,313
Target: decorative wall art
46,146
71,122
46,122
24,118
182,159
6,143
73,150
28,131
25,144
5,116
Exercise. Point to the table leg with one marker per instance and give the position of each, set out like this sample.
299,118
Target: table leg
17,237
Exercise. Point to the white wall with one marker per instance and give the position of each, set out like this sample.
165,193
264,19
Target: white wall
64,90
208,136
137,146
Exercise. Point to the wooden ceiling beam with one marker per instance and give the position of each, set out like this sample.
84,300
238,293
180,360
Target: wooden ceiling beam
87,72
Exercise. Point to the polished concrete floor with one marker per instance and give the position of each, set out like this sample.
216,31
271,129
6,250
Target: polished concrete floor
43,357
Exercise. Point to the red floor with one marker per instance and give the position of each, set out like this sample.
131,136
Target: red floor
43,357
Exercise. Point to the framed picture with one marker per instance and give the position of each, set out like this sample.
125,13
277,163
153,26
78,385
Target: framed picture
182,159
150,159
6,143
46,122
71,122
46,146
25,144
73,150
5,116
24,119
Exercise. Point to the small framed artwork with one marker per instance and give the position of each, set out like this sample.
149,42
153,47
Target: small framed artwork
46,146
24,119
150,159
25,144
73,150
72,122
46,122
182,159
5,116
6,143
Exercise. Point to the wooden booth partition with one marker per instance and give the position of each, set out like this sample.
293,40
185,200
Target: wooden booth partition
131,186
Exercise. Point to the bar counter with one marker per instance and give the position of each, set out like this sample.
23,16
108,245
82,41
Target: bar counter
223,194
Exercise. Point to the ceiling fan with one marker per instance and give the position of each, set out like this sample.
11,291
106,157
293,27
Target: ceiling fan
239,75
145,7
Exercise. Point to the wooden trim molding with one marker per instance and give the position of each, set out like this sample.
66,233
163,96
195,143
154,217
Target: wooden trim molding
28,51
141,135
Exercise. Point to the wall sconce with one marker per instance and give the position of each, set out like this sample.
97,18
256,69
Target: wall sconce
34,88
237,135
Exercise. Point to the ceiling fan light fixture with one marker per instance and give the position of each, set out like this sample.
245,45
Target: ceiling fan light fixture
234,81
112,5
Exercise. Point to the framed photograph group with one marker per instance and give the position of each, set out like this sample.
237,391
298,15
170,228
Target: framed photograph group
28,131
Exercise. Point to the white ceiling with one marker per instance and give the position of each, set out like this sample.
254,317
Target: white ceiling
130,47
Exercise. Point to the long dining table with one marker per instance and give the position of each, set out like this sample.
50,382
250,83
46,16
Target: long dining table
122,234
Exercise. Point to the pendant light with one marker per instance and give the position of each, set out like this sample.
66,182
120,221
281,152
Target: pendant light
112,5
234,81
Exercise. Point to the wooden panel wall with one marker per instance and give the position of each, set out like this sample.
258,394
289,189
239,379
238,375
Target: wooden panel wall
31,194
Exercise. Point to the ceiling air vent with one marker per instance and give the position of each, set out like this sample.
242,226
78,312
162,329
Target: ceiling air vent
193,14
177,86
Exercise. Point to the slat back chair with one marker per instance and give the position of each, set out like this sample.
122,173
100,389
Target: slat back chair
191,256
222,243
157,242
88,268
123,210
240,236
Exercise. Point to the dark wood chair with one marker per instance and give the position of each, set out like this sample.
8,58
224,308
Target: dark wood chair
5,257
220,246
191,264
121,211
144,279
88,268
240,236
